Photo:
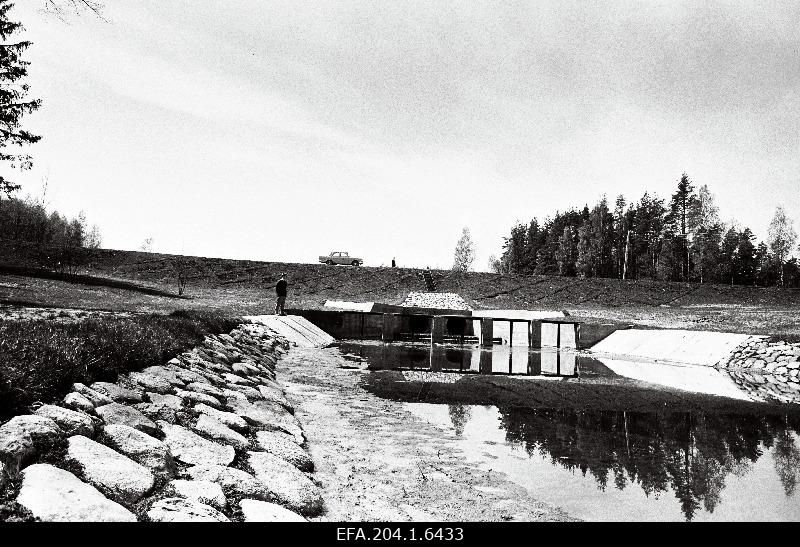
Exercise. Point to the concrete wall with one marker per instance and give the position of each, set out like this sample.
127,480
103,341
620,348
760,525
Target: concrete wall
297,330
673,345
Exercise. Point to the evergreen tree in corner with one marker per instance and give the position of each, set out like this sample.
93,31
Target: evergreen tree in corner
13,102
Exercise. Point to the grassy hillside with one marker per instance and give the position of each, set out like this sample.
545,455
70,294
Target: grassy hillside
240,286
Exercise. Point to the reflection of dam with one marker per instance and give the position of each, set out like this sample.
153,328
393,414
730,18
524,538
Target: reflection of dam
560,379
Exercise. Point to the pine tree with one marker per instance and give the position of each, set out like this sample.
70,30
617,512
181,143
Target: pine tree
567,252
746,263
679,218
13,102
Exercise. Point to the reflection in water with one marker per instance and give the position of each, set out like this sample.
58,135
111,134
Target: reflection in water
689,454
459,415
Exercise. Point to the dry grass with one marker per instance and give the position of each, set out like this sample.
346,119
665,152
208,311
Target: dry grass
41,359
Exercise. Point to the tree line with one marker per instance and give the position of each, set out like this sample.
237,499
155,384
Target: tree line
679,240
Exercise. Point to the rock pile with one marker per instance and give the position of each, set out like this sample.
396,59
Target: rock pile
767,371
209,436
440,300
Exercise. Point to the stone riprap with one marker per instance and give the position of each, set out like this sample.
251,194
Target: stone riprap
208,436
766,371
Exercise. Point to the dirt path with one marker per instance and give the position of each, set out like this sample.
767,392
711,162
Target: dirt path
378,462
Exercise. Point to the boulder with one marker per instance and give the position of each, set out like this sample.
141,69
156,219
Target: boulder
289,485
118,476
230,419
43,431
234,482
208,389
55,495
236,379
16,449
264,511
214,429
186,375
167,374
76,401
116,413
151,382
95,397
119,394
191,448
141,448
251,393
283,446
172,401
70,421
266,415
157,411
194,397
201,491
183,510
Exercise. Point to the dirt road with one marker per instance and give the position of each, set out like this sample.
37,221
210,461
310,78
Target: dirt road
378,462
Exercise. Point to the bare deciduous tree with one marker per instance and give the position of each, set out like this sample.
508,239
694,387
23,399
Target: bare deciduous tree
464,253
782,237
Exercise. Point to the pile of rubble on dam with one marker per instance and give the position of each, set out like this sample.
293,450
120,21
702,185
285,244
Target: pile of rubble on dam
209,436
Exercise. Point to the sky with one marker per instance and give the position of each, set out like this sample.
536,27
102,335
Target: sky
282,130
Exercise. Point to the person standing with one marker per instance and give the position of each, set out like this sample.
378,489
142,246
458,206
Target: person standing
394,264
280,291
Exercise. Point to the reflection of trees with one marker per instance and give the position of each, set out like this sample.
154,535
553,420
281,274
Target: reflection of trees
690,454
459,415
787,461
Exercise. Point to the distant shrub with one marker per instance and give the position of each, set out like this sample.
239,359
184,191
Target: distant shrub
40,360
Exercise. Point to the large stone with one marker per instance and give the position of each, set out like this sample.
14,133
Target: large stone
236,379
43,431
230,419
289,485
183,510
116,413
119,394
214,429
202,491
208,389
70,421
272,397
251,393
55,495
266,415
172,401
283,445
195,397
157,411
96,398
166,373
191,448
186,375
76,401
234,482
264,511
117,476
141,448
151,382
16,449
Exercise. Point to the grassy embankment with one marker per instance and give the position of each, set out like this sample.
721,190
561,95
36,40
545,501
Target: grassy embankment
246,287
41,359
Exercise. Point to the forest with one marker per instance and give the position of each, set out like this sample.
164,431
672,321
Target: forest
679,240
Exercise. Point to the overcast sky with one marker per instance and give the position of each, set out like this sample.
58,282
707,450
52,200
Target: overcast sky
282,130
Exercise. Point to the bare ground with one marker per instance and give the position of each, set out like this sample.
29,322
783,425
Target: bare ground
377,462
